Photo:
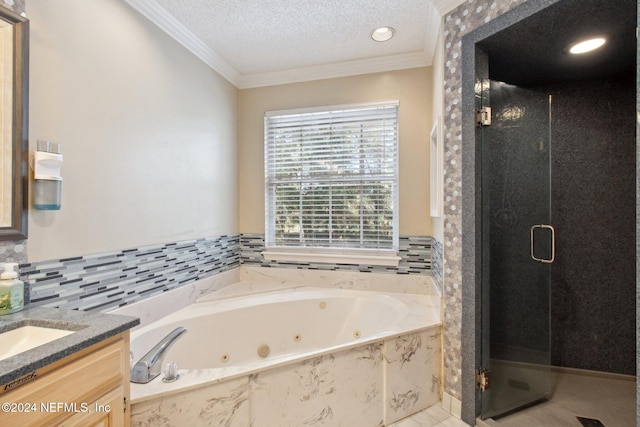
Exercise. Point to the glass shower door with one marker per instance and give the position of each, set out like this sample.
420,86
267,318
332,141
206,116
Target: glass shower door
517,247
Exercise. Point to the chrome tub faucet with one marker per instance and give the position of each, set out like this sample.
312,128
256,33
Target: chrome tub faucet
150,365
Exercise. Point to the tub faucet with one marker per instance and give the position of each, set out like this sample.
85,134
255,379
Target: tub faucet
149,366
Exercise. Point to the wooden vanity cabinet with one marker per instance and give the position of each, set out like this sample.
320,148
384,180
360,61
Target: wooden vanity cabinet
88,388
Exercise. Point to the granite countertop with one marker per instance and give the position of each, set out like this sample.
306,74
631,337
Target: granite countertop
90,328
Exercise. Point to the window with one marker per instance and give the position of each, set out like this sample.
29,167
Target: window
332,183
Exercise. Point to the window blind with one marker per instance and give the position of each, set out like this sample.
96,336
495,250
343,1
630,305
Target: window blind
332,178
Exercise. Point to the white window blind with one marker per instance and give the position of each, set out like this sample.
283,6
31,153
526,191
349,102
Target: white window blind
332,178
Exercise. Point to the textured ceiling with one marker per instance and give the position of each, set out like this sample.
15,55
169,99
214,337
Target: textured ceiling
533,51
259,42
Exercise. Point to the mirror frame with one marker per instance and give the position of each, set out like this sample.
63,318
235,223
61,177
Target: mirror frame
17,230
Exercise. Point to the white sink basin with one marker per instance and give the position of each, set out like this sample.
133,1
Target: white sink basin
27,337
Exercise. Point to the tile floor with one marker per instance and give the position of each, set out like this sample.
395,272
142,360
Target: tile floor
608,399
434,416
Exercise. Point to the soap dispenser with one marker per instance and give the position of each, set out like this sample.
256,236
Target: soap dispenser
11,290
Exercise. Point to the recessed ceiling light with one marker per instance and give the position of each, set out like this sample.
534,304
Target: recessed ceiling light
585,46
382,34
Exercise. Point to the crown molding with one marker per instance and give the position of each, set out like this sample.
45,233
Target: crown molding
356,67
434,21
170,25
445,6
339,69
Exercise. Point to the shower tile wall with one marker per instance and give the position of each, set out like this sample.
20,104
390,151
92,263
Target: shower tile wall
637,224
462,20
15,5
13,251
593,210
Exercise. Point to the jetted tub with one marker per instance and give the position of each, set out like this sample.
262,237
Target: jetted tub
296,356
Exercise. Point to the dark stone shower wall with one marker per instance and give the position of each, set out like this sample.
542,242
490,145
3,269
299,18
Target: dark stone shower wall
593,174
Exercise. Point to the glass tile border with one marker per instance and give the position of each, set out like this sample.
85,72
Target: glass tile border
109,280
415,253
105,281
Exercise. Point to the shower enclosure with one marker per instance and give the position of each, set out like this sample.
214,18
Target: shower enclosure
518,242
549,202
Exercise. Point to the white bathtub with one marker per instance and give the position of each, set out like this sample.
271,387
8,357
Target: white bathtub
304,329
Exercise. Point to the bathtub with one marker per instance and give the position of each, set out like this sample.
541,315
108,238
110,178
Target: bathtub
294,356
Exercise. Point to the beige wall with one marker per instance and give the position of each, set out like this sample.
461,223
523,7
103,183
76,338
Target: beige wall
148,132
413,88
159,148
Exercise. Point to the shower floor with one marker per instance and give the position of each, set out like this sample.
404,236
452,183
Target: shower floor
610,399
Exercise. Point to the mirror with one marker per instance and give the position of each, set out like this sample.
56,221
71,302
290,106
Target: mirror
14,61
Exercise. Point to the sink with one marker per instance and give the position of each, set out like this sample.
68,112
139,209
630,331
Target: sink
27,337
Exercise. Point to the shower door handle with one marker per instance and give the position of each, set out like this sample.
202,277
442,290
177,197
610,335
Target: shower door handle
553,244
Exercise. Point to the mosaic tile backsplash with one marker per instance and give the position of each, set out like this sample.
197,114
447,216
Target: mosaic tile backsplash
13,251
15,5
415,252
106,281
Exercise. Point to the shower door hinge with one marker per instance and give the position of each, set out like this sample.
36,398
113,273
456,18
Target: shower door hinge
482,380
483,116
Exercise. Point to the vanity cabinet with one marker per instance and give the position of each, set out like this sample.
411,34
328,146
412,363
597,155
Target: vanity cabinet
88,388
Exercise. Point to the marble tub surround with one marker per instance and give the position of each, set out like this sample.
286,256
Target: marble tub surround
413,373
225,404
374,384
158,306
326,321
245,288
379,282
250,280
345,388
89,329
374,379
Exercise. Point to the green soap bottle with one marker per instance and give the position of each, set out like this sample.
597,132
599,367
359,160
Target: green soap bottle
11,290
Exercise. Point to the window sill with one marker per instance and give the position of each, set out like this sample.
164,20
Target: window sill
378,258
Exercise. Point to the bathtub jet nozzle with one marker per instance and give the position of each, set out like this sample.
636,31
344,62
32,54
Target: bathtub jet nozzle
150,365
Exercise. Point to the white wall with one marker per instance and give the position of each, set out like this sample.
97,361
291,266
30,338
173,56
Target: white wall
148,132
438,111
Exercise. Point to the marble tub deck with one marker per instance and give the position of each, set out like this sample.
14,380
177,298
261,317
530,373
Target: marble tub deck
377,381
354,372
